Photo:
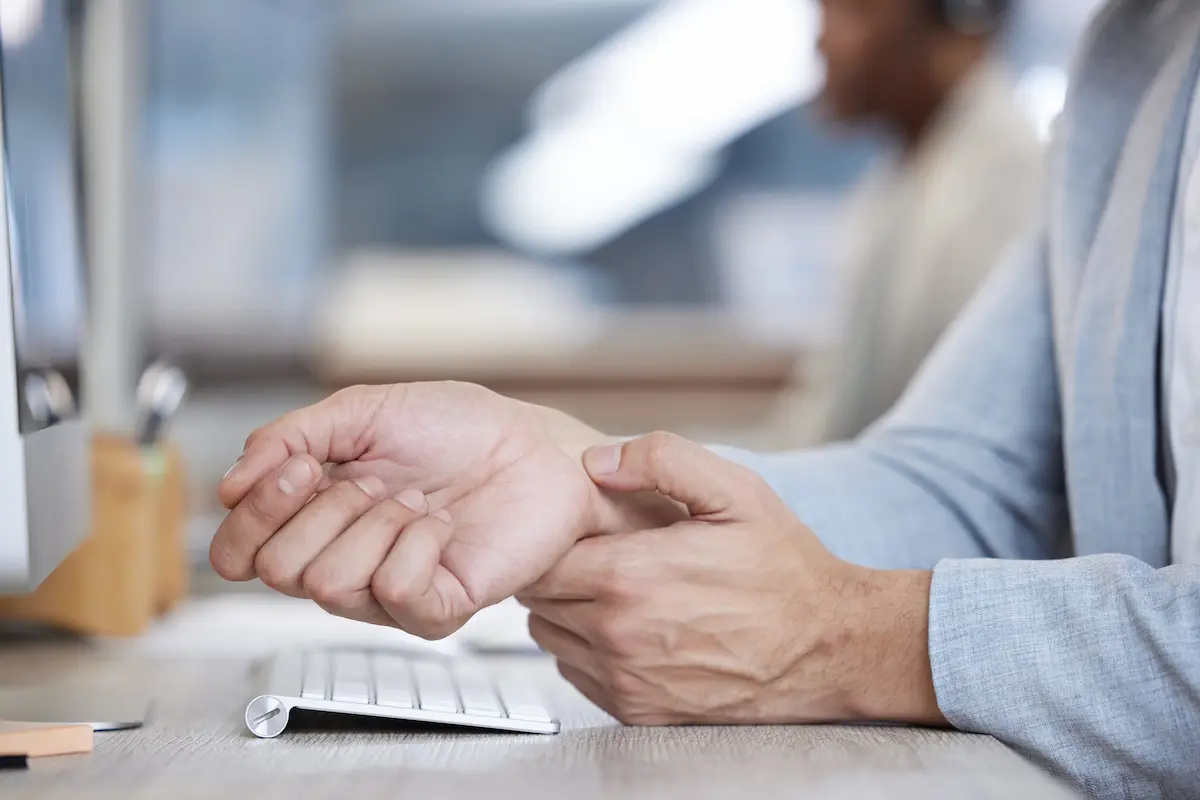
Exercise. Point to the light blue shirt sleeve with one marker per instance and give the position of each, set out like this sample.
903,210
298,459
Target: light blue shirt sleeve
1088,666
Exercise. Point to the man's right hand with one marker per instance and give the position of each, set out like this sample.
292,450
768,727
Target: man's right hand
414,505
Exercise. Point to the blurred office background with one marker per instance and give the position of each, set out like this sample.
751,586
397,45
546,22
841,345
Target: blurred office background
621,207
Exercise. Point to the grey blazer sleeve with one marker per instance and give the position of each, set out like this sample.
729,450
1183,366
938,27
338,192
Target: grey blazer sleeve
1091,666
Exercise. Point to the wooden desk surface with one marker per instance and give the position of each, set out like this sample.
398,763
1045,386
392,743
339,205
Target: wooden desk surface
196,746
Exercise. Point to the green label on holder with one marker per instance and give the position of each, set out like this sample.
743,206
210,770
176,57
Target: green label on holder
154,461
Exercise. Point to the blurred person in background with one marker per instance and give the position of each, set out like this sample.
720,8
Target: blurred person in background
925,229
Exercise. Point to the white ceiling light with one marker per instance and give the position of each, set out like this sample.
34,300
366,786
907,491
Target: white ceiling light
20,20
570,190
638,124
695,74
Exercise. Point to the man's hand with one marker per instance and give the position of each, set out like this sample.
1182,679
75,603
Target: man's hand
413,506
738,615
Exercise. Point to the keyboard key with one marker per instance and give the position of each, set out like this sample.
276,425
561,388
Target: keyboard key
316,678
397,686
435,689
351,678
287,675
522,702
393,683
479,696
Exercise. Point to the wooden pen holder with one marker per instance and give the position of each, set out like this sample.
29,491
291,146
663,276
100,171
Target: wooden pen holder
133,566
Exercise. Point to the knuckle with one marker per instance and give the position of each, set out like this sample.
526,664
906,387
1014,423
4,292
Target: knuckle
323,591
626,698
430,627
659,449
389,592
628,570
351,497
346,494
254,438
396,515
437,630
273,570
262,506
622,585
227,562
623,685
613,635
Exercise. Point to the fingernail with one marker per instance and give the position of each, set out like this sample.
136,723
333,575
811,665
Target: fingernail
296,476
603,460
233,469
372,487
413,500
443,515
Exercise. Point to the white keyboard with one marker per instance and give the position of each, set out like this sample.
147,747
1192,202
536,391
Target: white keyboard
396,686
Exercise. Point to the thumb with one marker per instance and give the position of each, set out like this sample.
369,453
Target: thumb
331,431
670,465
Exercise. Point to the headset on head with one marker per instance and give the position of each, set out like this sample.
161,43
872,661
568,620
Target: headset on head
976,17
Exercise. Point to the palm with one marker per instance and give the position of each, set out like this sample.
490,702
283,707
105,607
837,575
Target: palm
517,498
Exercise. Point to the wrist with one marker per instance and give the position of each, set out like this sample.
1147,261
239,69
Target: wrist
630,512
888,675
608,512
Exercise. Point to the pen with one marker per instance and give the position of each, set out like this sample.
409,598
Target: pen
14,762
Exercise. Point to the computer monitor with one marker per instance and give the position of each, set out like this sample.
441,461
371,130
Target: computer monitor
45,492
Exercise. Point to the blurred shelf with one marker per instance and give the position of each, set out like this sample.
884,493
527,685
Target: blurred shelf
653,349
694,374
501,320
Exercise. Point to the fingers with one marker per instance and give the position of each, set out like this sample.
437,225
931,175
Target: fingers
283,559
422,596
577,617
339,579
672,466
333,430
260,514
588,686
564,645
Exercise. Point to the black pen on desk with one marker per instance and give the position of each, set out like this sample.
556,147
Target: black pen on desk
14,762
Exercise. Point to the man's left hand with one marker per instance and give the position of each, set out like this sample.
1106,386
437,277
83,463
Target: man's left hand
738,615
